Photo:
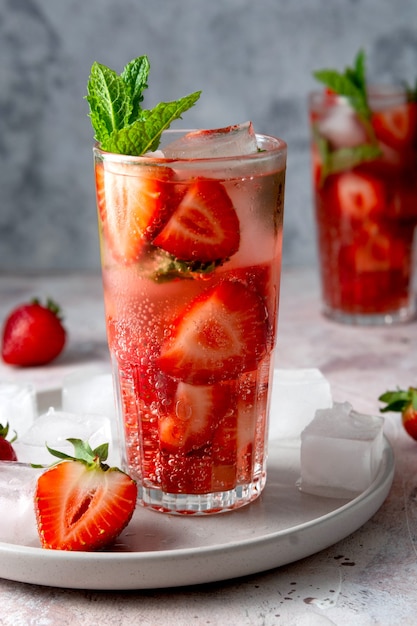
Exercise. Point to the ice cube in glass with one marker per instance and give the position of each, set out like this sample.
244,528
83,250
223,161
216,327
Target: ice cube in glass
231,141
341,452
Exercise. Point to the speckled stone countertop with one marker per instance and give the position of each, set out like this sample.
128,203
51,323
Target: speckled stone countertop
366,579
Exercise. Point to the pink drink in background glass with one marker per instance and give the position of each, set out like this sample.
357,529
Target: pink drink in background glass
366,210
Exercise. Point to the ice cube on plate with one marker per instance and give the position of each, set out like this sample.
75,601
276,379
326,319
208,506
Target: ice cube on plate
341,452
18,405
296,396
17,488
88,391
55,427
231,141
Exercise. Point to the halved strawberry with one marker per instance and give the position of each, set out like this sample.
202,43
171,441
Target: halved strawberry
133,204
81,503
221,334
357,195
397,126
204,226
196,413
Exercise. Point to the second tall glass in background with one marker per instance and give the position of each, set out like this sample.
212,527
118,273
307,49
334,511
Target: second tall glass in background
365,189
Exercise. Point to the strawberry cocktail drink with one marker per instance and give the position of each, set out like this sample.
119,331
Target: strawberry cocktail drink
191,234
364,155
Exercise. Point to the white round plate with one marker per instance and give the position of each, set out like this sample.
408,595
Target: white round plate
160,551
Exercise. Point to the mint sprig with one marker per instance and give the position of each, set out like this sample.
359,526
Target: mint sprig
120,123
351,84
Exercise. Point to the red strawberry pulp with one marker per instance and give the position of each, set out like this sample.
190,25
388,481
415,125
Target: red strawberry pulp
191,298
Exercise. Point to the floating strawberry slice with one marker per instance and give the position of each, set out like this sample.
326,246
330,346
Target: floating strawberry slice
198,408
132,208
397,126
221,334
358,195
204,227
81,503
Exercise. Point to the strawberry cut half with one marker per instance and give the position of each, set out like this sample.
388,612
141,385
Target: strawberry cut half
397,126
198,408
221,334
133,204
204,227
82,504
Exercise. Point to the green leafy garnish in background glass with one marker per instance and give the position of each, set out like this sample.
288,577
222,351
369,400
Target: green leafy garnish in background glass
350,84
120,123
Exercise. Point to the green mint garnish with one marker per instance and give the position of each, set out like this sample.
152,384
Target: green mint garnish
335,161
170,268
351,84
120,123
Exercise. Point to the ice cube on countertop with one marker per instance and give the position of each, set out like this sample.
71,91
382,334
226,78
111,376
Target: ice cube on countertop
295,397
18,406
17,488
231,141
341,452
55,427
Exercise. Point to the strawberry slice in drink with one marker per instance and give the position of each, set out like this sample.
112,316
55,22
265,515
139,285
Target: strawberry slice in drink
204,226
397,126
132,208
222,333
357,195
196,411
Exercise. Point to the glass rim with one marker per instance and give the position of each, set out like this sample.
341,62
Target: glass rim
275,147
376,92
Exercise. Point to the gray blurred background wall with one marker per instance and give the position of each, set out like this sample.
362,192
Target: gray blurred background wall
252,59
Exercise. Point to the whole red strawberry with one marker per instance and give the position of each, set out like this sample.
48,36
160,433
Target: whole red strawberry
7,452
404,402
33,334
81,503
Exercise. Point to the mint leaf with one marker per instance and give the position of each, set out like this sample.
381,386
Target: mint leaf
346,158
144,135
109,101
171,267
351,84
119,122
135,76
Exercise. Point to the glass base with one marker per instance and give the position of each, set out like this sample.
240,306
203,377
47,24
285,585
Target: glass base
406,314
201,504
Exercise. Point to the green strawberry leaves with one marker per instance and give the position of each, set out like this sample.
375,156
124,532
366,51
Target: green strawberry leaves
84,453
120,124
399,400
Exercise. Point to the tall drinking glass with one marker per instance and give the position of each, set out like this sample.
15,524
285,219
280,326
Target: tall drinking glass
191,262
365,189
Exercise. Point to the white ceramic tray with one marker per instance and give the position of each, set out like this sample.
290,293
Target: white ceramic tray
160,551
